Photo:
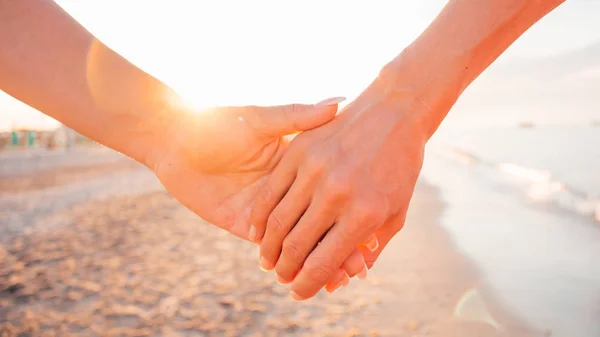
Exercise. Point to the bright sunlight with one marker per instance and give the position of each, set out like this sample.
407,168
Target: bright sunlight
260,52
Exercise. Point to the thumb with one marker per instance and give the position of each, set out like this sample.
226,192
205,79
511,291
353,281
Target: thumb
287,119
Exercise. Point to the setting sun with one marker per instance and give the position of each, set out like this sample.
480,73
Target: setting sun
214,56
269,52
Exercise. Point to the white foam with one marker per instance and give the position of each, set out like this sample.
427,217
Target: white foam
538,184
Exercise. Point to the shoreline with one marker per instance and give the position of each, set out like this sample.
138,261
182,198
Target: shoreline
534,260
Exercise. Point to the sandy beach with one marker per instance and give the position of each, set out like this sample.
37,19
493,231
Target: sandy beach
93,246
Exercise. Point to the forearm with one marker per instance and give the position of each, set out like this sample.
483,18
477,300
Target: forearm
465,38
50,62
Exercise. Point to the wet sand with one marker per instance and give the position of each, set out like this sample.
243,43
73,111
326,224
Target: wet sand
109,253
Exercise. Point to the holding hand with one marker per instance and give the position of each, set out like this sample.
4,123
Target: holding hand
213,161
216,160
339,184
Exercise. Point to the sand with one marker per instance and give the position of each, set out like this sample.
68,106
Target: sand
97,248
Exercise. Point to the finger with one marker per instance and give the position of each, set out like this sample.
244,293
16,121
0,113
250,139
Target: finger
325,260
341,278
304,237
283,120
355,265
270,194
371,243
281,221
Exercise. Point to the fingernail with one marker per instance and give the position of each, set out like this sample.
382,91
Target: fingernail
265,265
346,280
373,244
296,297
252,233
332,287
330,101
281,280
362,274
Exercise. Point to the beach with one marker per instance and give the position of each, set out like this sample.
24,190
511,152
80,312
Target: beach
523,205
502,236
95,247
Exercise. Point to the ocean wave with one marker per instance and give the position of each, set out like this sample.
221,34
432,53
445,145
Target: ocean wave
539,185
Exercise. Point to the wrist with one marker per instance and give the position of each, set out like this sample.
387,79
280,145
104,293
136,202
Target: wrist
433,87
153,135
126,108
139,128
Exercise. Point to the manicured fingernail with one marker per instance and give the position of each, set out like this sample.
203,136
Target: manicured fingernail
332,287
330,101
252,233
346,280
265,265
339,280
281,280
296,297
363,273
373,244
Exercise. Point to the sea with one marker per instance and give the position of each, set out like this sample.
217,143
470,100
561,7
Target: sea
523,204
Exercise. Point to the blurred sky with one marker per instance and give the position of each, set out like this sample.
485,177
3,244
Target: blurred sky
270,52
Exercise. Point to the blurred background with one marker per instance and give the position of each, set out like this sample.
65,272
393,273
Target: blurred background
503,234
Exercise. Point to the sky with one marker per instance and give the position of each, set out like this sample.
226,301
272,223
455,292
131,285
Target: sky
274,52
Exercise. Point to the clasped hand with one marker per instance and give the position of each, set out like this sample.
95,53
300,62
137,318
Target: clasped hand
323,206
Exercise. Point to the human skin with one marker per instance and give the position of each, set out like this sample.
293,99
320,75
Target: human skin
211,161
354,177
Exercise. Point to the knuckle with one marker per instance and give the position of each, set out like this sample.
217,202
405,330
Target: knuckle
337,185
261,206
320,272
290,112
275,224
264,195
349,233
256,216
293,108
314,163
367,211
290,250
225,218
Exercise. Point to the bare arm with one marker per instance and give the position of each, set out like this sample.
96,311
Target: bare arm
50,62
465,38
212,163
341,183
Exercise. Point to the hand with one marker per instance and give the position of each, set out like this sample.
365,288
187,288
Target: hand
214,160
217,159
339,184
